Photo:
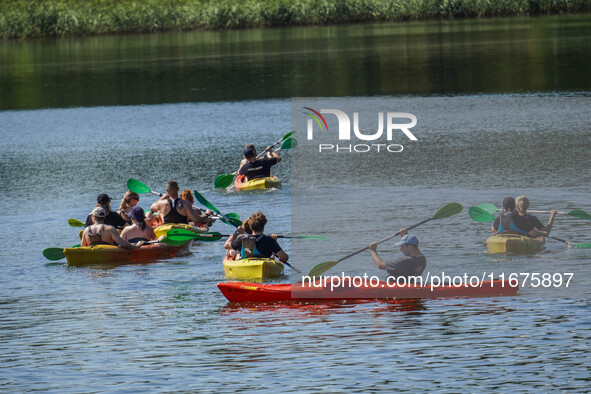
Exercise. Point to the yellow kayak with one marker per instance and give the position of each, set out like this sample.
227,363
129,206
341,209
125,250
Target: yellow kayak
165,228
241,184
513,243
108,254
252,267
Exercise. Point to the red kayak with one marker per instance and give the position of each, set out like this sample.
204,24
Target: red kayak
257,292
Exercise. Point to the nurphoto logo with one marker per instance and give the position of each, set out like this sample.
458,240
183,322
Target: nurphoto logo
391,124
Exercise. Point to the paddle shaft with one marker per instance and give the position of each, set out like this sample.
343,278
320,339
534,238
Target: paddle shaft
383,240
561,240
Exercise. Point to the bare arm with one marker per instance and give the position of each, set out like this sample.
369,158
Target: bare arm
121,242
375,256
84,238
548,226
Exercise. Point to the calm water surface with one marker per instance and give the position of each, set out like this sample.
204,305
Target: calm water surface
165,326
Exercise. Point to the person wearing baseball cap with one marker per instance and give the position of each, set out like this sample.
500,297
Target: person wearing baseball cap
255,168
412,264
99,233
111,218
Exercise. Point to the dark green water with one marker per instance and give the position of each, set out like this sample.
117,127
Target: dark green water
546,54
519,126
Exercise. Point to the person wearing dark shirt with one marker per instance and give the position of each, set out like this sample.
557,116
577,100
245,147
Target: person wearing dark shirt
257,243
535,228
258,168
111,218
411,265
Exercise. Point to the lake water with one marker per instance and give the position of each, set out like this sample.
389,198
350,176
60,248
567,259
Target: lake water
76,123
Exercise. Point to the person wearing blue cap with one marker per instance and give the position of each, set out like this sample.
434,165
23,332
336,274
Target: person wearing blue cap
412,264
258,168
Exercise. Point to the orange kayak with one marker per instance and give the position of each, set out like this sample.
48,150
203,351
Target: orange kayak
257,292
108,254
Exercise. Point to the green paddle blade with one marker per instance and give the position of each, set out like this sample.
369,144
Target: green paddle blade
223,181
186,235
232,215
448,210
490,208
582,245
172,242
137,187
480,215
578,213
322,268
75,223
54,254
290,143
286,136
204,202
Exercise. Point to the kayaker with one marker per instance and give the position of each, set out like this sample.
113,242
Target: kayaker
258,168
111,218
412,264
240,233
535,228
174,209
130,200
139,230
244,161
99,233
257,244
509,221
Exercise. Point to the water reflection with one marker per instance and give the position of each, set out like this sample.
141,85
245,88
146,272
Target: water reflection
473,56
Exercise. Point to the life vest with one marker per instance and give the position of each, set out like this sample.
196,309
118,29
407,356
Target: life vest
507,226
173,215
249,246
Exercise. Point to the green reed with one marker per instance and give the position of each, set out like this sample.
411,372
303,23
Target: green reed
38,18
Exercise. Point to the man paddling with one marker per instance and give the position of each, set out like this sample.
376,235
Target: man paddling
174,209
258,168
99,233
412,264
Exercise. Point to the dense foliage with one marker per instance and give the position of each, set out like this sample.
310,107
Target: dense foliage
36,18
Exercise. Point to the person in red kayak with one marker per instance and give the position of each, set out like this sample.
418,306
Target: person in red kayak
111,218
412,264
174,209
258,168
99,233
256,244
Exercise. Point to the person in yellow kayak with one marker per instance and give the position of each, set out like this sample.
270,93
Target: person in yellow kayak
174,209
256,244
244,161
139,230
534,226
111,218
258,168
99,233
412,264
514,219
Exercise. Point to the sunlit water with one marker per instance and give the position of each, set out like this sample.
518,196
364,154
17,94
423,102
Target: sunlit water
165,327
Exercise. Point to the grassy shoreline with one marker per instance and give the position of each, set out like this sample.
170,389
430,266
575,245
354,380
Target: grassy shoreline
50,18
